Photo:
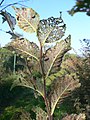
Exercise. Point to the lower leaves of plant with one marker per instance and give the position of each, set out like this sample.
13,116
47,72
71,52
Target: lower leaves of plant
75,117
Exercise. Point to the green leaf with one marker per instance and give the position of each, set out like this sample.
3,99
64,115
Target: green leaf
50,30
25,48
53,56
52,77
27,19
72,11
61,88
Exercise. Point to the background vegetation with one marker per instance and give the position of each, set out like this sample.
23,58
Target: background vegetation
19,103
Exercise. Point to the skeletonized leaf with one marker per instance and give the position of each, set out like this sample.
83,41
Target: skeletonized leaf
53,56
27,19
24,47
9,18
28,81
20,81
61,87
50,30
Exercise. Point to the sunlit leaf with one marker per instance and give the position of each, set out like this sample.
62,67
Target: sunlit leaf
27,19
53,56
50,30
24,47
52,77
9,18
61,87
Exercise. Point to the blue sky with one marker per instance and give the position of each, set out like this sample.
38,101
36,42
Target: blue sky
78,25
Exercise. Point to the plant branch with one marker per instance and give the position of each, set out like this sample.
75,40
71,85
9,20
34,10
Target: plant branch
42,69
44,80
1,2
14,65
11,4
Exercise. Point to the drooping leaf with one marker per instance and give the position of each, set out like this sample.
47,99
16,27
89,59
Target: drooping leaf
28,81
61,88
21,81
53,56
24,47
14,35
9,18
50,30
27,19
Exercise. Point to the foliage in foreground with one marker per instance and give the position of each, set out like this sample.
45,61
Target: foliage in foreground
42,72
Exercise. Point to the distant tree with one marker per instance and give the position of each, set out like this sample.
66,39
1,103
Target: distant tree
81,6
80,99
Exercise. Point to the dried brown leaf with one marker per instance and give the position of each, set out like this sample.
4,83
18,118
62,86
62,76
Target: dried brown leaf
53,56
25,48
60,89
27,19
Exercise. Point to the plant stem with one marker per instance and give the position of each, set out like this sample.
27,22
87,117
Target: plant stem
50,117
1,2
42,68
14,65
44,83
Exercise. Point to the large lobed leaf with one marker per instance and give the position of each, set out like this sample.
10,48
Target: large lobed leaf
50,30
27,19
61,88
25,80
24,47
21,80
53,56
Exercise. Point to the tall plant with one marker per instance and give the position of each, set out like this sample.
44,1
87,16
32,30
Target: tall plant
43,69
